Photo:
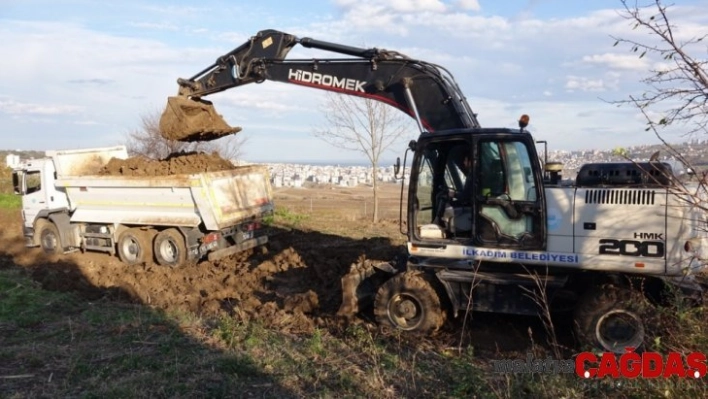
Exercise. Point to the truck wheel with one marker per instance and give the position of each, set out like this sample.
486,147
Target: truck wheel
611,319
170,249
134,247
49,238
409,302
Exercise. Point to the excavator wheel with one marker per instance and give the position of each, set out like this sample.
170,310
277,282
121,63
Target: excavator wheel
360,285
409,302
610,319
189,120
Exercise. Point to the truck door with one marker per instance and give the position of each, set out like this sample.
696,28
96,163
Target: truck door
28,183
508,196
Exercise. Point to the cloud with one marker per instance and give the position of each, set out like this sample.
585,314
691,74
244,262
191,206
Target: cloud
574,83
164,26
106,72
175,11
86,123
405,6
17,108
417,5
96,81
472,5
630,62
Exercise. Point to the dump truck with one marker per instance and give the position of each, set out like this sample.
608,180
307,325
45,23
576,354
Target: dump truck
490,226
67,205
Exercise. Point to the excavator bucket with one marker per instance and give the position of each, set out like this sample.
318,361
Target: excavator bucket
185,119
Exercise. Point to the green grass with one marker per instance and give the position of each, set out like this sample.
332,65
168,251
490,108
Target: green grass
60,344
102,348
10,201
285,217
109,349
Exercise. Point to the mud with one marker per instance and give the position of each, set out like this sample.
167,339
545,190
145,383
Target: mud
293,286
182,163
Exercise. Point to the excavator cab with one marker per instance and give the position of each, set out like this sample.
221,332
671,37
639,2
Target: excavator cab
498,203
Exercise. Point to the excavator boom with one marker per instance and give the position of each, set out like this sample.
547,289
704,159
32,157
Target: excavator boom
425,91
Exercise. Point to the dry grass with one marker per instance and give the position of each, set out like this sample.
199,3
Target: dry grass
343,203
64,344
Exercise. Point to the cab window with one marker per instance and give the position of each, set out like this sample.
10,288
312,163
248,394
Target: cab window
33,181
505,169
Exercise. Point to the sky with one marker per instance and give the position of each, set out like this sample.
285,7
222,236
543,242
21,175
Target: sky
81,73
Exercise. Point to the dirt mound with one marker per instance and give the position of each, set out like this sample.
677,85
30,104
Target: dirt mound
294,286
182,163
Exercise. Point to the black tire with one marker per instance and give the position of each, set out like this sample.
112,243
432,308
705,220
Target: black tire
610,319
170,248
134,247
49,239
409,302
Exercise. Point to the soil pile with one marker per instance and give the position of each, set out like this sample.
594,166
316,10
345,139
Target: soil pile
293,286
182,163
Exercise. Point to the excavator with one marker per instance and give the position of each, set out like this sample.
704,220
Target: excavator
491,227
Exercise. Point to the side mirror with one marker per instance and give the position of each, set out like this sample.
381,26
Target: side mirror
397,167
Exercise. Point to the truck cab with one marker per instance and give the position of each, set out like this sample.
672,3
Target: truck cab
34,181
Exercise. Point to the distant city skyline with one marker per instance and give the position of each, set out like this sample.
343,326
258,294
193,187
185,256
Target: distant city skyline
700,142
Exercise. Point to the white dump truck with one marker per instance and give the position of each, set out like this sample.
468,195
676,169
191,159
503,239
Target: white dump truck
67,205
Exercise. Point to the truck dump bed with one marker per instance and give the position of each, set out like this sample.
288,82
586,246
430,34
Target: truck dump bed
218,199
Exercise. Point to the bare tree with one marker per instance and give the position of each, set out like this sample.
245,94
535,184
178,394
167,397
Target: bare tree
677,88
678,85
363,125
148,142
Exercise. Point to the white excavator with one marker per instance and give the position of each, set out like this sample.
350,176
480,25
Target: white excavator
490,226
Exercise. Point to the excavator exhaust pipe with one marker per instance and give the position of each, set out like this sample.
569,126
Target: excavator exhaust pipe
189,120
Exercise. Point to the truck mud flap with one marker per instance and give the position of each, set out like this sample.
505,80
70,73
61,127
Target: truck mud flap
252,243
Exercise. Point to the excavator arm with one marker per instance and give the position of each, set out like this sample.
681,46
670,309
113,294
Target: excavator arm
425,91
